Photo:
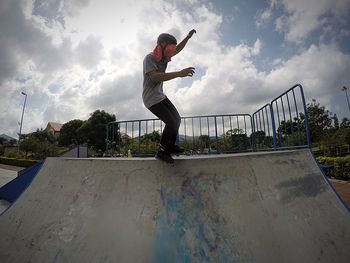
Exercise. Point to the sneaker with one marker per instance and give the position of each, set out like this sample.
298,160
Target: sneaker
176,150
164,156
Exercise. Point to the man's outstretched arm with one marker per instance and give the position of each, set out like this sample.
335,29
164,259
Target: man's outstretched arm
157,76
183,43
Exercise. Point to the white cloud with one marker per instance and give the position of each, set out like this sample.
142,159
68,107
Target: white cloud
303,17
321,70
73,7
89,52
228,85
264,16
300,18
90,56
238,86
257,47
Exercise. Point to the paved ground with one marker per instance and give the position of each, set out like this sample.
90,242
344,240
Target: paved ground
11,168
343,188
6,176
257,207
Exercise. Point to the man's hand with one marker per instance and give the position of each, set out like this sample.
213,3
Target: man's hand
187,72
190,34
183,43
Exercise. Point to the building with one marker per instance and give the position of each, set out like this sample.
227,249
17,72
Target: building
54,128
7,138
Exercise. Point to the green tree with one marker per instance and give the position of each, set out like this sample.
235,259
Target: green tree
343,134
29,143
2,147
259,136
151,137
288,127
345,123
204,140
320,120
37,146
69,133
43,135
336,122
234,131
347,136
93,131
235,140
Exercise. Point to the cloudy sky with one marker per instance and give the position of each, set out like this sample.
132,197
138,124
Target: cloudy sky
75,56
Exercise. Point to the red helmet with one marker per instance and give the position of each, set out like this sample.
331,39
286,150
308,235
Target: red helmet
166,51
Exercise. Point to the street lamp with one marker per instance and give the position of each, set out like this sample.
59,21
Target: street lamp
20,129
346,92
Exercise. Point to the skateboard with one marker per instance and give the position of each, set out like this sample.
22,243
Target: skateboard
165,157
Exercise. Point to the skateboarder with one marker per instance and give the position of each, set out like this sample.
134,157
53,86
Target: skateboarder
154,66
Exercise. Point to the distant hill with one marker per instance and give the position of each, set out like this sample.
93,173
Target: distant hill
189,138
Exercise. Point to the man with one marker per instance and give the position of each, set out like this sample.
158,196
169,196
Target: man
154,66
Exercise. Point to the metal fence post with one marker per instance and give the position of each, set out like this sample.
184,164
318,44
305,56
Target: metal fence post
107,138
139,146
273,127
307,127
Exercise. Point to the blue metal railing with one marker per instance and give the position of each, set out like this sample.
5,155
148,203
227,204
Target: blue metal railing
281,124
290,114
264,128
197,134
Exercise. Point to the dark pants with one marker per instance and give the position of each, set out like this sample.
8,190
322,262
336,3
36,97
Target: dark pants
167,112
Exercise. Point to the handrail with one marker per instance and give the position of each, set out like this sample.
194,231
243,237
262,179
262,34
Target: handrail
297,120
275,126
198,134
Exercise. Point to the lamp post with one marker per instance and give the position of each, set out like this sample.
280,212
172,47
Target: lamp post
20,129
347,98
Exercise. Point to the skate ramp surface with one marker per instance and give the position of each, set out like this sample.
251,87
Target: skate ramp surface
255,207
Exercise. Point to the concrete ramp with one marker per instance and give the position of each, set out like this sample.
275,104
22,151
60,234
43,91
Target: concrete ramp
265,207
